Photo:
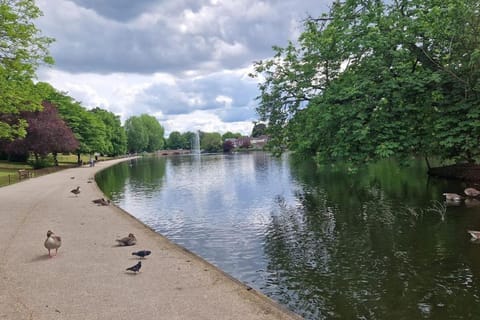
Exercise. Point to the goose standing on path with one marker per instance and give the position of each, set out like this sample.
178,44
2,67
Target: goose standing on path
52,242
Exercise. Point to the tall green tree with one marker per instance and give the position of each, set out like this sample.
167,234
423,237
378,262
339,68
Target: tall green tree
155,132
211,141
116,137
137,135
22,50
175,140
374,79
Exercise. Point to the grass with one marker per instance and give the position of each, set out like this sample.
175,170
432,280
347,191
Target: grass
9,170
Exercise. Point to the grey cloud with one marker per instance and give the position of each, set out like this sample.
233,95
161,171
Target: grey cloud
91,44
201,94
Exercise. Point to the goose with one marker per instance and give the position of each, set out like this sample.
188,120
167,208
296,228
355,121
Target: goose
472,192
452,196
52,242
475,234
76,191
130,240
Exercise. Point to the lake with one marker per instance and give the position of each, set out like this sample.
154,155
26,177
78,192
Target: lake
378,242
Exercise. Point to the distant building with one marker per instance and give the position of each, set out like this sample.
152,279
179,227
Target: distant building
259,142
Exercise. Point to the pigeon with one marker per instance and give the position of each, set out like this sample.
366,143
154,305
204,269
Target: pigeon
142,253
52,242
130,240
76,191
135,268
472,192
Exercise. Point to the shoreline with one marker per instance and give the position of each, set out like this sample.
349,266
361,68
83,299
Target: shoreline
87,280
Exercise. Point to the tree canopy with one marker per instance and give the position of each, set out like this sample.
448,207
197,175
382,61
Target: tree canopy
144,133
22,50
374,79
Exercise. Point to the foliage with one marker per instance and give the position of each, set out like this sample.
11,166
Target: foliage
231,135
154,131
22,50
175,140
116,137
89,129
46,133
259,129
144,133
375,79
211,141
228,146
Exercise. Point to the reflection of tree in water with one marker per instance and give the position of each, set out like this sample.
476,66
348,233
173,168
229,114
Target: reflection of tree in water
364,254
145,175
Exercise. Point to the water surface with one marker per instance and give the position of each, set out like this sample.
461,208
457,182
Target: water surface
377,243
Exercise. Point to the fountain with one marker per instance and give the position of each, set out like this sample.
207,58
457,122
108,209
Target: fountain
196,143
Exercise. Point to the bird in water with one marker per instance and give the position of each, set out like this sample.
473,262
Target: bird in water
76,191
52,242
129,240
142,253
475,234
471,192
452,197
135,268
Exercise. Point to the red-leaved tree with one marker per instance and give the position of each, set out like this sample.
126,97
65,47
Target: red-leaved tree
46,133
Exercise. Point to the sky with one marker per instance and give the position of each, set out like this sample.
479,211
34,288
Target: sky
186,62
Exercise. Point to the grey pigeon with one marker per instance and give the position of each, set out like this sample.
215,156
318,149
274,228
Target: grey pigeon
142,253
76,191
135,268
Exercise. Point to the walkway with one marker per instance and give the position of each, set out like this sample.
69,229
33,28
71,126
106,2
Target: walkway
87,280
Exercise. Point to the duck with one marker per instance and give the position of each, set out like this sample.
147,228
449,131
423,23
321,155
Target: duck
76,191
98,201
129,240
471,192
475,234
52,242
452,196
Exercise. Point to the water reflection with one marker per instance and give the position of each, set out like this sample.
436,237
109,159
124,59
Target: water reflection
379,243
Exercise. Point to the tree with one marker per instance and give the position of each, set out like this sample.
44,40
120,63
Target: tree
228,146
137,135
259,129
175,140
22,50
88,128
377,79
46,133
154,131
116,137
211,141
230,135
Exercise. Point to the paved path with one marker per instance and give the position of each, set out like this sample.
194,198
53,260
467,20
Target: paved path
87,279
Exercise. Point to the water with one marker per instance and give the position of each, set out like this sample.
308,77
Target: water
379,243
196,143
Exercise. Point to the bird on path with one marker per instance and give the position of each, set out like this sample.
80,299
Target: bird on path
475,234
135,268
130,240
472,192
76,191
142,253
452,197
52,242
98,201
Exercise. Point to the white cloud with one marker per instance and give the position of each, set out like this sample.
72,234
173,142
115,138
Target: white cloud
184,61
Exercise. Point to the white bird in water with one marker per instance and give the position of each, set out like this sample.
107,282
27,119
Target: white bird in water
475,234
52,242
472,192
452,196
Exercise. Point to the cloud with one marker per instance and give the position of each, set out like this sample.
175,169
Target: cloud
176,59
